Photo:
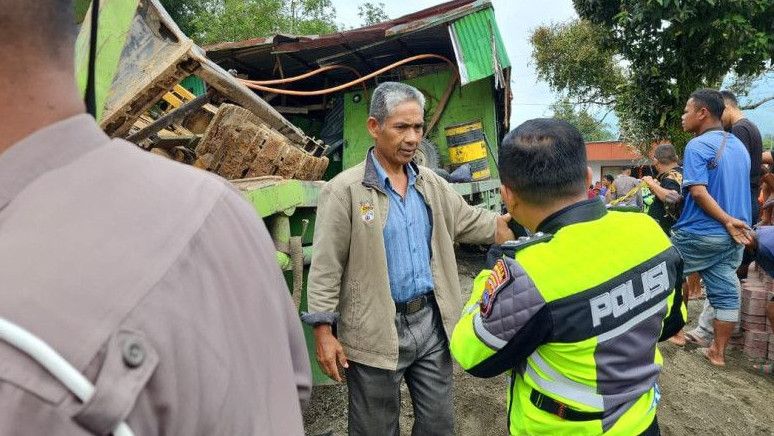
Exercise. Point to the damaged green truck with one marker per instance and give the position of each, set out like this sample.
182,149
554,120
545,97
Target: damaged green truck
303,121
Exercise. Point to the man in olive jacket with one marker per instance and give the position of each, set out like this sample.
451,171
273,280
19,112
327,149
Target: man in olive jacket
384,275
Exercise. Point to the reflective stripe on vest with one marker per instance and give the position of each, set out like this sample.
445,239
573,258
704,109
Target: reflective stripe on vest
563,386
486,337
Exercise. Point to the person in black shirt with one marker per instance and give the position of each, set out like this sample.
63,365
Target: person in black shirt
735,122
666,206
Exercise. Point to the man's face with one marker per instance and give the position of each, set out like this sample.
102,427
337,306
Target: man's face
398,137
693,117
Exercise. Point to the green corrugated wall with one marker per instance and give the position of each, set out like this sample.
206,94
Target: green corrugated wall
474,36
471,102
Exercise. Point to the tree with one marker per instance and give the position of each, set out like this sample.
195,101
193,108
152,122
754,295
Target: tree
591,128
372,13
646,57
573,59
184,12
311,17
210,21
741,85
768,142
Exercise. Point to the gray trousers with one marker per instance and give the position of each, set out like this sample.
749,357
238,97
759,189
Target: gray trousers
425,362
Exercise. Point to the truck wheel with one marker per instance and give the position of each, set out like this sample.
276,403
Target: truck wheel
427,155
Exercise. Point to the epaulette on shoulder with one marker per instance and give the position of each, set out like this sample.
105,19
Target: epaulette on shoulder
510,248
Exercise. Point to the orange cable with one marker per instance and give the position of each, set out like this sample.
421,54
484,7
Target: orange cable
352,83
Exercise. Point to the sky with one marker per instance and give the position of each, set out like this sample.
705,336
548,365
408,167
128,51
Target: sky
516,20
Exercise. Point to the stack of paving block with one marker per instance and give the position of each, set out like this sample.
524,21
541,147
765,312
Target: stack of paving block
237,144
771,341
757,341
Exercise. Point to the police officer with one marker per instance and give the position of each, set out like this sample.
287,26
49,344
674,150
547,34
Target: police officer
579,343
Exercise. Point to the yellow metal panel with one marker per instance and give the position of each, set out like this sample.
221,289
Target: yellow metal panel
461,154
464,128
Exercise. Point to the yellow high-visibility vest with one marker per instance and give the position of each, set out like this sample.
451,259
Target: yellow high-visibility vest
574,315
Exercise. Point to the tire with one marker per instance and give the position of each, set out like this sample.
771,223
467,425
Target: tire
427,155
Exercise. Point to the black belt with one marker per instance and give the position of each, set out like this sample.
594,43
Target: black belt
414,305
561,410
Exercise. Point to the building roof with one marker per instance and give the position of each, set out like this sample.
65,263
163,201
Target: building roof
611,150
366,49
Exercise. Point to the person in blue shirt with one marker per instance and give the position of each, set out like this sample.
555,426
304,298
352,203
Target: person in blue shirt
715,222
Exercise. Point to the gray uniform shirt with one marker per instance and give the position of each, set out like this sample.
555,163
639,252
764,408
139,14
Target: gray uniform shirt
155,280
623,184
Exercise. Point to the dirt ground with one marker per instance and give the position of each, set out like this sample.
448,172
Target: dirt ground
697,399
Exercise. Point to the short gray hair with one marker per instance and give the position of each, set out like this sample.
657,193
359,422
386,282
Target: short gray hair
390,94
665,154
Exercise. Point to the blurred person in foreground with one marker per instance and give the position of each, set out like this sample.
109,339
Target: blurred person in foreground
155,280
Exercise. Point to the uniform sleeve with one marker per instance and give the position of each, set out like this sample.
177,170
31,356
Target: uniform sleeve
268,282
332,232
504,321
695,170
677,312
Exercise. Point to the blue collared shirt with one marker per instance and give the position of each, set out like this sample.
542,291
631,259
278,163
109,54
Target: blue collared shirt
407,234
727,182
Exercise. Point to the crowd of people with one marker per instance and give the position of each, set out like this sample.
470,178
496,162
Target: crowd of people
715,193
699,220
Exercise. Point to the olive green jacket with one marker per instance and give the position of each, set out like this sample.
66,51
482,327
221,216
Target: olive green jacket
348,282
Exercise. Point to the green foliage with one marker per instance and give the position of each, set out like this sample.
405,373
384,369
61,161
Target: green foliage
210,21
768,142
591,128
184,12
668,49
372,13
572,58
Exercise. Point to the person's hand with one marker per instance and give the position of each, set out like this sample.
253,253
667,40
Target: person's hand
648,180
503,232
739,230
330,354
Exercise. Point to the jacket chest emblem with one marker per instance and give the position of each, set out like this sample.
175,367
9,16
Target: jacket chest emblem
366,211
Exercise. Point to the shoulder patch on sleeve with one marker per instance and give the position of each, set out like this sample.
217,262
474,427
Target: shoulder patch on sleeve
498,279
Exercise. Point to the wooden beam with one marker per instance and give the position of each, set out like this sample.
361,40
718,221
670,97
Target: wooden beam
291,110
299,109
